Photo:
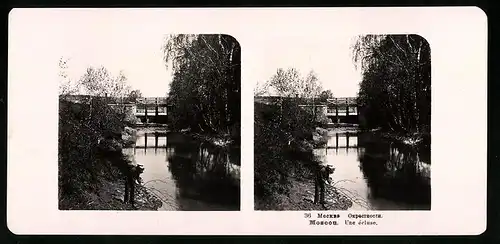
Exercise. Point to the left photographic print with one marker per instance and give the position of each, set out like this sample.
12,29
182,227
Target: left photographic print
150,125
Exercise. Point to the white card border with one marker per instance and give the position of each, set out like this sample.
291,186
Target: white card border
458,40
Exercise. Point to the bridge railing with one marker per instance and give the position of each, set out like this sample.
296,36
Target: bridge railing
152,100
152,110
341,111
341,101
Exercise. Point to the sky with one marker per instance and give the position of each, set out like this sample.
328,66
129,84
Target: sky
329,57
132,43
138,54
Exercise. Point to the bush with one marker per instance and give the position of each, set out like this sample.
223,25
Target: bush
280,152
81,126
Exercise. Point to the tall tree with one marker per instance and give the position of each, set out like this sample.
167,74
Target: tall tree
99,82
205,90
289,83
395,91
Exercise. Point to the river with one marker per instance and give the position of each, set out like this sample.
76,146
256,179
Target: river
378,174
186,174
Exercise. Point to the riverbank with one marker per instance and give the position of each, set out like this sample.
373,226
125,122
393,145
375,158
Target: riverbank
409,139
91,166
412,139
301,197
343,129
109,195
218,140
151,129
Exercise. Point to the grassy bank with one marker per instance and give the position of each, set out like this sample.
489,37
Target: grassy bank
285,137
224,140
301,197
218,140
88,177
109,196
420,141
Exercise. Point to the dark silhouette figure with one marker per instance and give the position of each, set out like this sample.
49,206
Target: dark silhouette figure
322,177
131,177
110,148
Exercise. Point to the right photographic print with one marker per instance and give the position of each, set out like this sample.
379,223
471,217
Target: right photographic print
344,124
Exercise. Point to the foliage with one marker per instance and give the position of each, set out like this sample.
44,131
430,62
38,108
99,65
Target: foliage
324,95
81,126
284,132
134,95
261,89
99,82
395,92
205,90
66,85
282,149
289,83
96,81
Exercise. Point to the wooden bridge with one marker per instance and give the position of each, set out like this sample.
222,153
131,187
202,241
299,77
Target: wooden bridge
337,109
344,140
156,144
148,109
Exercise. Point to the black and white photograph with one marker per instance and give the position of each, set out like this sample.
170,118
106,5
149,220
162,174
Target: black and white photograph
247,121
353,133
150,124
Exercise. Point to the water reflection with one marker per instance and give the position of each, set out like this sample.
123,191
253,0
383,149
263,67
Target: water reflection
379,174
187,174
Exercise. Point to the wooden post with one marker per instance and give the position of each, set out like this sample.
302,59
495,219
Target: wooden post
156,110
347,142
156,140
146,113
336,111
357,113
336,141
347,108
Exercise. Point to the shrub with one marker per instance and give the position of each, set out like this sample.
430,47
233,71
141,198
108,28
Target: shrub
280,153
81,126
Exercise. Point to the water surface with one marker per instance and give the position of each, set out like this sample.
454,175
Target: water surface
187,174
378,174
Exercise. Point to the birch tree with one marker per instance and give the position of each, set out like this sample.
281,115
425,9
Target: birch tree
395,91
205,90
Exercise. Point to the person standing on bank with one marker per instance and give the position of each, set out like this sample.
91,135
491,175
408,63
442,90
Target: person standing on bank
322,177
